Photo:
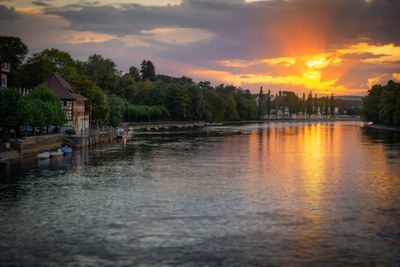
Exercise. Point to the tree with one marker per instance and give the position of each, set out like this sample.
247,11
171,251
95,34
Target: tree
332,105
387,105
14,51
196,103
214,105
97,100
231,113
100,70
309,105
371,103
10,107
260,105
117,109
41,65
147,70
177,103
326,106
134,73
205,84
382,104
46,108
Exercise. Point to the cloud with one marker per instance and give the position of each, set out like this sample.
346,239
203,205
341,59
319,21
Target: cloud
41,3
303,44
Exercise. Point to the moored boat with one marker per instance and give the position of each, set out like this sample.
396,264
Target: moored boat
65,149
44,155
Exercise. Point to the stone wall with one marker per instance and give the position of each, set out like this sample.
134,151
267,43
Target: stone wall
37,144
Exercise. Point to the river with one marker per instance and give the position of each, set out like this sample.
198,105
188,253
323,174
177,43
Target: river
267,194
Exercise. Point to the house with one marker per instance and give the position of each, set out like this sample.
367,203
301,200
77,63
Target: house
4,71
73,103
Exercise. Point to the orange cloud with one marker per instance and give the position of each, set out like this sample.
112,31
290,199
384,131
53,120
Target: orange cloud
321,72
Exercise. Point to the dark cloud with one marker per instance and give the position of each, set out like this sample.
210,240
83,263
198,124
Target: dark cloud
248,30
7,13
222,30
41,3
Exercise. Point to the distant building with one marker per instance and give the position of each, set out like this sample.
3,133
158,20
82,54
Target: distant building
73,103
4,71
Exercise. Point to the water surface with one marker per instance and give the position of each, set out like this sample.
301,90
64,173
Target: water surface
255,195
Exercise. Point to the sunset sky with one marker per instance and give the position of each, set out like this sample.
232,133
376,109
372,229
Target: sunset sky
339,46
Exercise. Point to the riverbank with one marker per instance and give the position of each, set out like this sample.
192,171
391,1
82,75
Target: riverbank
30,146
382,127
227,123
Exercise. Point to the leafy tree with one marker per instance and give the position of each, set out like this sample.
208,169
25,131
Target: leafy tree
260,105
46,108
147,70
387,105
177,103
371,103
205,84
100,70
41,65
97,103
14,51
10,107
382,104
117,110
231,113
146,113
309,105
197,103
332,105
396,118
246,108
269,103
134,73
214,105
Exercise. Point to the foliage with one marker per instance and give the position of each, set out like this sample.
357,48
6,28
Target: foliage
100,70
41,65
97,103
382,104
10,105
40,108
143,95
134,73
146,113
117,110
147,70
14,51
45,107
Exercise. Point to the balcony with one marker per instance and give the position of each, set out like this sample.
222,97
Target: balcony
5,67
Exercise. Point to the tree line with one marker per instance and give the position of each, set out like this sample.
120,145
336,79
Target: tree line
382,104
143,95
285,104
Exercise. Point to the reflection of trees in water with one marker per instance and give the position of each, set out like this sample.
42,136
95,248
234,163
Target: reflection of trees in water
382,136
390,140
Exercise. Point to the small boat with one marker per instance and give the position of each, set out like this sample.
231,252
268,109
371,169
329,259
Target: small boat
57,153
44,155
65,149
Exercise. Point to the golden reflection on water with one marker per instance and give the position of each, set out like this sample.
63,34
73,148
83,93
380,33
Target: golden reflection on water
314,159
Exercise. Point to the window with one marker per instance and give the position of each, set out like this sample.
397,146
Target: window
3,80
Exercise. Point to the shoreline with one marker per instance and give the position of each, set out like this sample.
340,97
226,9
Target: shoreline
160,126
225,123
382,127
